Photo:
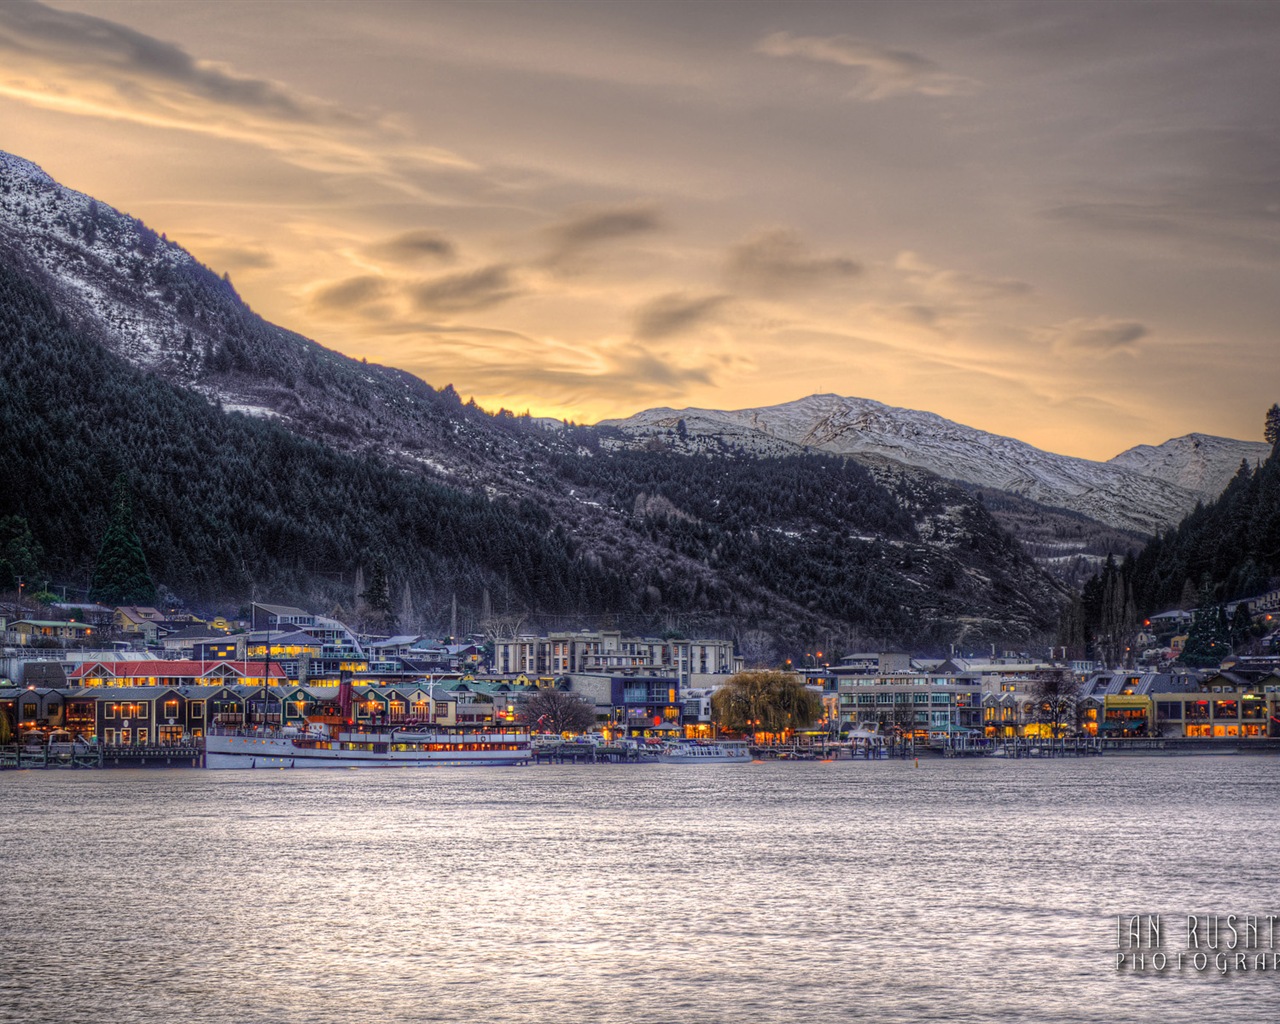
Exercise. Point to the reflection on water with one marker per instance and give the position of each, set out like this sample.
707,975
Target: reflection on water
964,891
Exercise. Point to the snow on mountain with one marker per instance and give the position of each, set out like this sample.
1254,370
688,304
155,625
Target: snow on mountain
1118,494
1198,462
109,266
15,166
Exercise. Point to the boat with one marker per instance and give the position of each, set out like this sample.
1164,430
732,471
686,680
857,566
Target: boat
704,752
332,740
319,746
866,744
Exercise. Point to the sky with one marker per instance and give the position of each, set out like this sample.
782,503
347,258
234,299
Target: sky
1054,221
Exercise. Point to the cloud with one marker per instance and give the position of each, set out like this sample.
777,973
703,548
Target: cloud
411,246
349,294
778,262
673,313
96,46
84,65
958,283
546,372
884,72
592,227
1098,336
466,291
223,256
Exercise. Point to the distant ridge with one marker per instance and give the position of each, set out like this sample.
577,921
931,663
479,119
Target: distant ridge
1142,490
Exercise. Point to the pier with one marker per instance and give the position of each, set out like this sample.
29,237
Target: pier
79,755
583,753
154,756
1017,748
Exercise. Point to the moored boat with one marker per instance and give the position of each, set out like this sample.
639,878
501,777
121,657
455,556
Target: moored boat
703,752
330,739
320,746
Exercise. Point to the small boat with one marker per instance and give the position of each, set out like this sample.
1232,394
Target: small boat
705,752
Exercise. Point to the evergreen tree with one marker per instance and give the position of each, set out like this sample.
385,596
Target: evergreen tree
406,608
1241,624
121,575
378,596
1271,430
20,554
1208,640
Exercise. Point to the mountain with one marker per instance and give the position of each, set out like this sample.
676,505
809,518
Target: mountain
1200,463
265,466
1135,492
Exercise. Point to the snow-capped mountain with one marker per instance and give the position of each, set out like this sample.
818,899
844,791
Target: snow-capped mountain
1136,491
1201,463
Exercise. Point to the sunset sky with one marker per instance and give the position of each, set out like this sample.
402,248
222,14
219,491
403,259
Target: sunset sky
1059,222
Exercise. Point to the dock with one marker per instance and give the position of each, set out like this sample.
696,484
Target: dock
583,753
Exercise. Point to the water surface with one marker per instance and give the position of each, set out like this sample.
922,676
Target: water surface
958,891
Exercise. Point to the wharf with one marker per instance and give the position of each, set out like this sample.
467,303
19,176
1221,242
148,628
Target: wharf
79,756
1083,746
156,756
583,753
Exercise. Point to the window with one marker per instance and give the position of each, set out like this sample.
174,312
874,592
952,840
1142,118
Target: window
196,708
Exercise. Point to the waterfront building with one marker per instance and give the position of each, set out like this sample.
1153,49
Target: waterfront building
175,673
609,652
33,707
910,703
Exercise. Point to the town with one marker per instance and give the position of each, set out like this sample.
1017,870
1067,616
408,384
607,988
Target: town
133,686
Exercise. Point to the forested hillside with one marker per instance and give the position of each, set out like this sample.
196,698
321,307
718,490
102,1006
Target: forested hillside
230,507
1232,545
1223,551
126,358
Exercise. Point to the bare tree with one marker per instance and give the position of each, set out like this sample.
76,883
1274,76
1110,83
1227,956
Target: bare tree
553,710
502,627
1055,698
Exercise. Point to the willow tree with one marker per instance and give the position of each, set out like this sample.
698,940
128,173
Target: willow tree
765,701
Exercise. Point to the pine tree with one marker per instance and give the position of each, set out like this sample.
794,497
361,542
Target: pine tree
121,575
20,554
378,596
1271,430
1209,639
406,608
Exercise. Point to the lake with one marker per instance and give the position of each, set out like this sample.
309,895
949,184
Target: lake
790,892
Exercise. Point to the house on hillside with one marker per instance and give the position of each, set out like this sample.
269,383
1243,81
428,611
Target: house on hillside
137,619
